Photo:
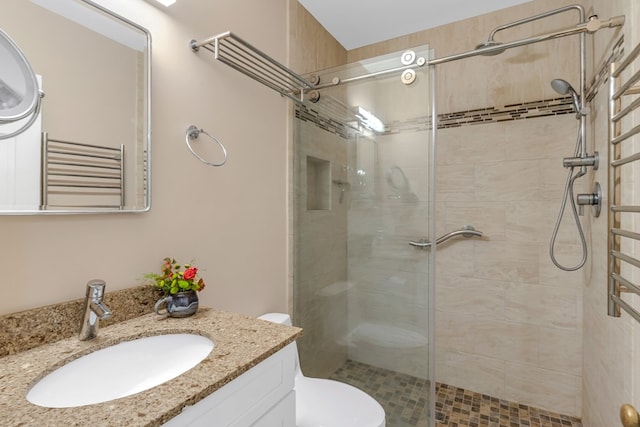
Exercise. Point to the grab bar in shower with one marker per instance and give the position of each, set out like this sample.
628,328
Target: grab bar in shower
624,232
467,231
230,49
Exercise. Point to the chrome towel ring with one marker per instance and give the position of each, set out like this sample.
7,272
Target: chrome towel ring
193,133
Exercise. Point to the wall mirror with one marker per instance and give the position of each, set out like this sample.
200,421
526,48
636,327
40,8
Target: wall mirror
88,149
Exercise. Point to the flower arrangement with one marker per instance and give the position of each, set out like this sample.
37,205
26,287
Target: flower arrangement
174,280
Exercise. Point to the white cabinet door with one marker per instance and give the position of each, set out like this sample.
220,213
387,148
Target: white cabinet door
248,399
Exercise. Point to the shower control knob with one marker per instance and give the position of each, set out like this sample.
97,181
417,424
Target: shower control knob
585,199
591,199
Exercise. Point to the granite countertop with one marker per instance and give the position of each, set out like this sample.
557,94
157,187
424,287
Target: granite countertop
241,342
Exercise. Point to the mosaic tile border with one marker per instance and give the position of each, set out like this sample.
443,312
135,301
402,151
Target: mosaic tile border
525,110
519,111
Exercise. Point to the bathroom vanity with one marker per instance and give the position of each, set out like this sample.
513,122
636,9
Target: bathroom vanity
261,397
247,379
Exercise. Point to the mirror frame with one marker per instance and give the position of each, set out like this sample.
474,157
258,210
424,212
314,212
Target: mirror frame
146,142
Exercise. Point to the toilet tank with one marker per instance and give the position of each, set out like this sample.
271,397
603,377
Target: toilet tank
281,318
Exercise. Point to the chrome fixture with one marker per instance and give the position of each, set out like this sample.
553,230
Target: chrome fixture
591,199
408,57
574,162
623,206
490,43
408,76
94,310
581,160
564,88
193,133
230,49
493,47
467,231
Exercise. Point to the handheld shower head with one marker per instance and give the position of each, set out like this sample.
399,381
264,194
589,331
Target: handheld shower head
564,88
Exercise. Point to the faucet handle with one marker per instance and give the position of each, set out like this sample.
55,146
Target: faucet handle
95,288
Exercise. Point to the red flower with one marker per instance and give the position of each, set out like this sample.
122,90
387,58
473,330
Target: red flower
190,273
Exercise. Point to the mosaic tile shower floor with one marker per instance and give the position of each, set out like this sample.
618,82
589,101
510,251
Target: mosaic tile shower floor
404,399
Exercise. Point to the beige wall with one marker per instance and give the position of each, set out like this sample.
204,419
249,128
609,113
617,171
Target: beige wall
232,220
311,47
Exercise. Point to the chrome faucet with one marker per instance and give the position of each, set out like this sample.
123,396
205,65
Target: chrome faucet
94,310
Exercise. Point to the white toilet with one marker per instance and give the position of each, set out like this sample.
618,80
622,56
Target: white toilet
328,403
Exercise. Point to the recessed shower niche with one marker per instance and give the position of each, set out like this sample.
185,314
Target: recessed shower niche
318,184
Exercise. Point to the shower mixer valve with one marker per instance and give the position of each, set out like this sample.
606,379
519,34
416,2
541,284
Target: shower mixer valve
591,199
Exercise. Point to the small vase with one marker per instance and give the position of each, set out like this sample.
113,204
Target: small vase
182,304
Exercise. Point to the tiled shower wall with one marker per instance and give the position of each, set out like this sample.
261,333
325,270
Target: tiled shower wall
320,298
508,322
316,306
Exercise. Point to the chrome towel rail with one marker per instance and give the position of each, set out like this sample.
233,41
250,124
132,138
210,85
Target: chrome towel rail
467,231
624,223
230,49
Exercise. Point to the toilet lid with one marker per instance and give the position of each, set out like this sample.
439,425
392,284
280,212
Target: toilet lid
327,403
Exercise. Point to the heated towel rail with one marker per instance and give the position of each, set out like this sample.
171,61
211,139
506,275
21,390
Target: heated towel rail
79,175
624,176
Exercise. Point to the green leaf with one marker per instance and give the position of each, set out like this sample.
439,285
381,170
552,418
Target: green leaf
183,284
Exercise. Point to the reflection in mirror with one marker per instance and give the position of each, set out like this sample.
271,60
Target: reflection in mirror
19,95
88,149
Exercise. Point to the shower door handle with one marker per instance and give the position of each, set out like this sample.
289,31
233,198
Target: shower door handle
466,231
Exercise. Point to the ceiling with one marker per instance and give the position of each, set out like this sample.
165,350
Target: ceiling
357,23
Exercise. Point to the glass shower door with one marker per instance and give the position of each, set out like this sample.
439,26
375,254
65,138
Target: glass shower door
363,188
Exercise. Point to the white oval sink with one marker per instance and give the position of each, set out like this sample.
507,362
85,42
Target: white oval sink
120,370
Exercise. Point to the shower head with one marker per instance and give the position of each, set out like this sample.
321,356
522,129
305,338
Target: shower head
564,88
490,43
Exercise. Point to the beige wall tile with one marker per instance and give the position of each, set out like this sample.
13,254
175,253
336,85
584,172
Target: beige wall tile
542,305
505,261
545,389
454,333
472,372
465,296
488,217
560,351
513,180
483,143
